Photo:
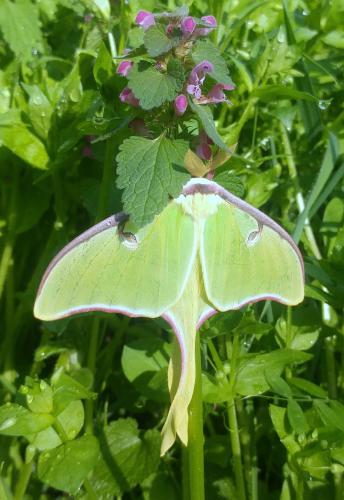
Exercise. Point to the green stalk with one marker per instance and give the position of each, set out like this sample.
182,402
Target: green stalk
326,311
91,365
103,204
195,455
331,367
6,260
23,481
233,421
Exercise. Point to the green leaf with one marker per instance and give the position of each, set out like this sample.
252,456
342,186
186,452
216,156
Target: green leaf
103,67
272,92
296,417
308,387
39,110
277,384
15,420
231,182
150,171
31,205
206,50
136,37
17,138
206,118
19,23
128,457
334,38
324,174
329,416
176,70
151,86
66,467
145,363
157,42
71,420
67,389
250,377
39,397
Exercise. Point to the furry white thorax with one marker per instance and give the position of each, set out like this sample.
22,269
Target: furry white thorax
199,206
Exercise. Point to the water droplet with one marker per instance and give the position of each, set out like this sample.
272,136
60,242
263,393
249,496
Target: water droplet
281,36
9,422
43,385
29,398
34,52
37,100
24,389
324,103
72,433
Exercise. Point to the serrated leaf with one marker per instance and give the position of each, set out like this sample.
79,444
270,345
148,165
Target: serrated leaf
66,467
231,182
152,87
206,50
19,23
176,70
157,42
127,458
150,171
206,118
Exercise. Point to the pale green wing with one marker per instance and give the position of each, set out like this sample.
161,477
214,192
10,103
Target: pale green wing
110,270
247,257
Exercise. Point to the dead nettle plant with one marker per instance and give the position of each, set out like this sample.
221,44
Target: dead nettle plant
184,248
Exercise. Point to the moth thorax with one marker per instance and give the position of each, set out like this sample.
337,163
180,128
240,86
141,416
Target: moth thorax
199,206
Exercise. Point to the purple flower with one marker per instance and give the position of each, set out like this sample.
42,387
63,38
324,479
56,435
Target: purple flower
145,19
204,151
197,76
188,25
198,73
216,94
194,90
127,96
180,104
209,21
124,67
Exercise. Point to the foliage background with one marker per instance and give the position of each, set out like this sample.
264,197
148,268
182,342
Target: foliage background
58,87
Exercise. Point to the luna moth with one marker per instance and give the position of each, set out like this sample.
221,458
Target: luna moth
207,251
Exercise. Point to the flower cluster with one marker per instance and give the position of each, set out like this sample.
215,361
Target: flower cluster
183,31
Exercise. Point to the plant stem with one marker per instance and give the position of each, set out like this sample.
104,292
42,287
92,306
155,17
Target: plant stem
233,421
5,263
91,494
185,474
298,193
103,204
194,450
23,482
326,311
91,365
330,343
